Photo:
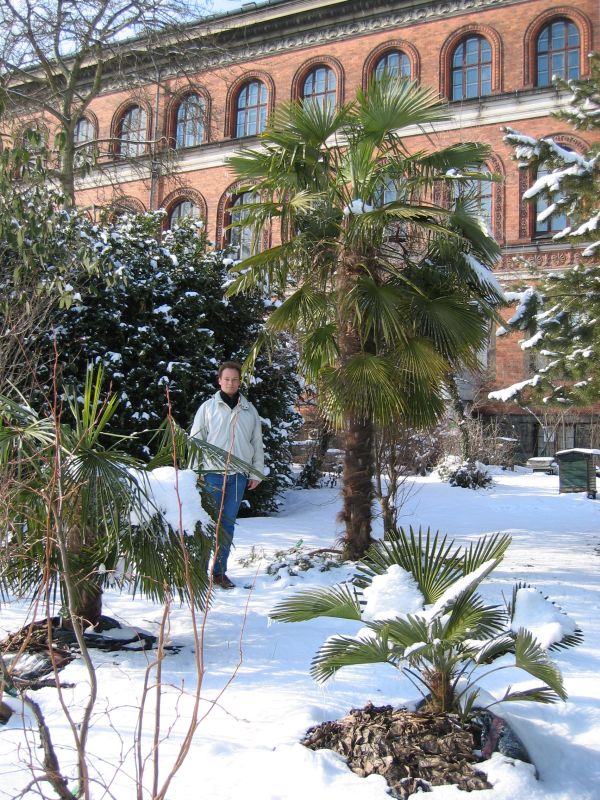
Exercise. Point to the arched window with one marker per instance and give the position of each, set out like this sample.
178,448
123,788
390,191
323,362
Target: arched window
189,123
320,87
557,52
471,68
548,221
242,238
183,210
251,109
132,132
394,63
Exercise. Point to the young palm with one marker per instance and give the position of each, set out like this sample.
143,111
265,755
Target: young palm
377,336
68,493
437,630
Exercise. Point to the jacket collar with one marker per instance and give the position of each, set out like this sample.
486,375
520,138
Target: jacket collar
244,403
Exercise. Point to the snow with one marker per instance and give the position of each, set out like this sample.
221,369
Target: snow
534,613
511,391
165,491
393,594
357,207
257,698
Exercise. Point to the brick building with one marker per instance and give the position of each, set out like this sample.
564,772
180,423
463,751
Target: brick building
492,59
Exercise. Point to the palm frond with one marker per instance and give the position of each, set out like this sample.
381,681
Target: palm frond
484,549
305,307
364,387
378,307
338,601
471,618
392,103
494,648
403,632
319,351
540,694
343,651
531,657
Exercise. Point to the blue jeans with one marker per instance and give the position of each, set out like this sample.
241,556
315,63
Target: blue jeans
235,486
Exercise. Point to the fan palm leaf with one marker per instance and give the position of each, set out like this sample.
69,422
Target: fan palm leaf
340,601
531,657
344,651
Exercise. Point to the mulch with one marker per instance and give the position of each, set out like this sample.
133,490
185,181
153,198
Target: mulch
412,750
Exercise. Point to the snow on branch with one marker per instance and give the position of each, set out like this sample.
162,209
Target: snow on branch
512,391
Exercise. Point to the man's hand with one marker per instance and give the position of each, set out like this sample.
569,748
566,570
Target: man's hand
253,483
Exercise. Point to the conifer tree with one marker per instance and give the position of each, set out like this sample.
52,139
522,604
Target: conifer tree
559,315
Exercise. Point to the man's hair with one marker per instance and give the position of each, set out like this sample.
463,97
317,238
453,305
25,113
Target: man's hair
230,365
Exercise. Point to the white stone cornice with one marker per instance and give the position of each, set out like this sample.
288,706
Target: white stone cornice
497,111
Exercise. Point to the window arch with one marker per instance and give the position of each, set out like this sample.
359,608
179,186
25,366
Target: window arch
183,203
471,68
126,205
394,62
190,116
392,55
251,108
558,52
320,86
132,132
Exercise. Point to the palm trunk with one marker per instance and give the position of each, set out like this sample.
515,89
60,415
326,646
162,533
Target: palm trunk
358,487
358,435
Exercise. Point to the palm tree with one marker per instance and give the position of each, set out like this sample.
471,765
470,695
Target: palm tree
67,496
381,318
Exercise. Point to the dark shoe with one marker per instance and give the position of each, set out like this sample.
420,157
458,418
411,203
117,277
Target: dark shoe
223,581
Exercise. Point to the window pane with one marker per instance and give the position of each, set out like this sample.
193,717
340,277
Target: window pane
471,68
251,113
557,52
133,132
320,87
190,122
394,63
242,239
182,210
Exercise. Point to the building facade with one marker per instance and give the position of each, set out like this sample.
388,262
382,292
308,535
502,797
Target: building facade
493,60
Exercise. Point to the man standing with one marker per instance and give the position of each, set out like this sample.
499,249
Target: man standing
232,423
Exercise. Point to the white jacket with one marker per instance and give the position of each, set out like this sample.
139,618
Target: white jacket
235,430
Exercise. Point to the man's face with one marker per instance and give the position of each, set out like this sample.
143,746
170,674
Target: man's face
229,382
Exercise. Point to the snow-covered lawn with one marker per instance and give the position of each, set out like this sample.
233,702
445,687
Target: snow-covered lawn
247,746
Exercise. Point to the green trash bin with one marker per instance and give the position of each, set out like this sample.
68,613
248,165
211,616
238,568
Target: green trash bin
577,470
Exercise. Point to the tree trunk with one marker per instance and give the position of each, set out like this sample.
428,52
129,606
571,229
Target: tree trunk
87,591
463,429
358,487
359,431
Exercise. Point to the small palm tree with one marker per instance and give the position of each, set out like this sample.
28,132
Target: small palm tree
68,493
446,637
379,294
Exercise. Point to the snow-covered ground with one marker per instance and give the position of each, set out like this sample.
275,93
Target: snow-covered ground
247,743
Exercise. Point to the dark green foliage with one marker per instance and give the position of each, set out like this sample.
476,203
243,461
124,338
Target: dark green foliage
161,323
